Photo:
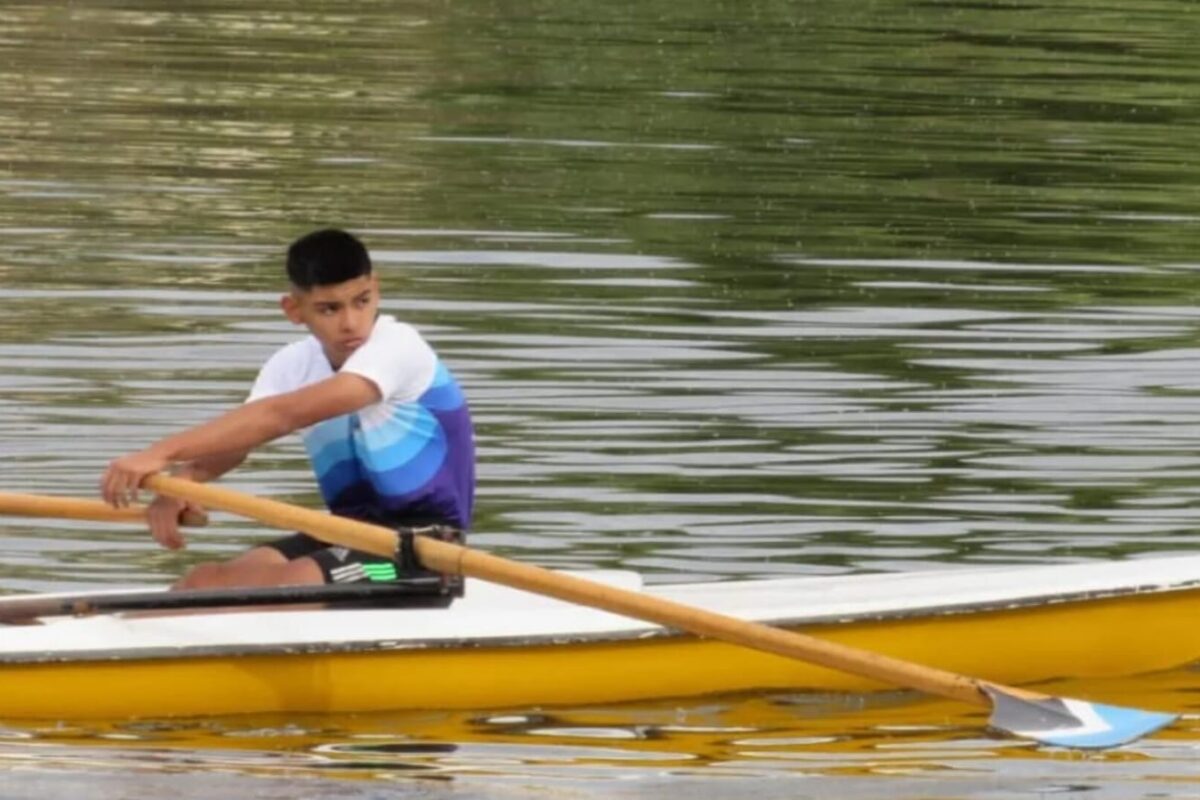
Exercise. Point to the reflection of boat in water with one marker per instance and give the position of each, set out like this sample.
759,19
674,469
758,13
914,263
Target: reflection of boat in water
501,648
759,737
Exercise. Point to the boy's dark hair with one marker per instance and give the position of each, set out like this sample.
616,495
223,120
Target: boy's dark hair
326,257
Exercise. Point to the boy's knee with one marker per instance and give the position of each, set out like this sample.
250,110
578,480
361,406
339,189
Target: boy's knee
208,575
247,573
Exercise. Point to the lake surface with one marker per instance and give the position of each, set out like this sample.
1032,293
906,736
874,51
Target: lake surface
735,290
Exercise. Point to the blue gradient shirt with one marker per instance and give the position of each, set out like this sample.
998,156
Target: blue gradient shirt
409,458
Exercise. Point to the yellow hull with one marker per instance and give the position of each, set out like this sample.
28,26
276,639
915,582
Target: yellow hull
1083,639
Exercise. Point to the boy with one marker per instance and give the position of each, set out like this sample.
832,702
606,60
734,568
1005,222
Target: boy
385,424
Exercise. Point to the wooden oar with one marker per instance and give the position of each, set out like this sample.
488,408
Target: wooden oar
1048,719
37,505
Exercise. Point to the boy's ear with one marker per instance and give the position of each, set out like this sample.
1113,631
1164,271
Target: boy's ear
291,308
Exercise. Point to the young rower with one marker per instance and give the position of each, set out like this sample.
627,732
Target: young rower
385,424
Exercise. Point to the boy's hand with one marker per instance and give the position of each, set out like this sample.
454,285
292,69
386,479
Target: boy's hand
163,517
120,482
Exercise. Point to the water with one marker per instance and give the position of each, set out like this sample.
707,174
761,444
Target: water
736,290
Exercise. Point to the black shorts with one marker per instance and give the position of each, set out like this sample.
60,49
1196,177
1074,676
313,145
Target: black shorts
338,564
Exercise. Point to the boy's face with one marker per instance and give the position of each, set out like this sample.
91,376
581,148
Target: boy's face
340,315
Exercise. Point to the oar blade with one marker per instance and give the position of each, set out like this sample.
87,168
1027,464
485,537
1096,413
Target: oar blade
1068,722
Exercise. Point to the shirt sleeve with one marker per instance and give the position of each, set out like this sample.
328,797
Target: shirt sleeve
396,359
269,381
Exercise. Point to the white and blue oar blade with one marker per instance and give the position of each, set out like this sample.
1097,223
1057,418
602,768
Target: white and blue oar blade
1067,722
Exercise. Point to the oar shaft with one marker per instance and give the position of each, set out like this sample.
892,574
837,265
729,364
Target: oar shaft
451,558
455,560
33,505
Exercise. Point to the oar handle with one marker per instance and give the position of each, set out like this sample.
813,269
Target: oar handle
453,559
35,505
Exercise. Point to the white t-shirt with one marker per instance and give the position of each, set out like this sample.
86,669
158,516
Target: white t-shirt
409,458
395,358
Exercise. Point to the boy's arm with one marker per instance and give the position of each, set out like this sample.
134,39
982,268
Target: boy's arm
239,431
210,467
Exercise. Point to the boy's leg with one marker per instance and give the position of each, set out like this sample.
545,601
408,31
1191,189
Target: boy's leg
271,565
295,560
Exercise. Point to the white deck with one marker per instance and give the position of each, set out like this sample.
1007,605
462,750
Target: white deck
495,614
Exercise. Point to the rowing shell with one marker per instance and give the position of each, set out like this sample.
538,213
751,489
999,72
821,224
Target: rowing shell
502,648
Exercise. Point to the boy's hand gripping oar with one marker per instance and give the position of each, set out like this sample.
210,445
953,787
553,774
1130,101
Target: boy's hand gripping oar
1052,720
36,505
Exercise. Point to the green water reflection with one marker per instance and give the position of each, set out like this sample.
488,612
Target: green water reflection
736,289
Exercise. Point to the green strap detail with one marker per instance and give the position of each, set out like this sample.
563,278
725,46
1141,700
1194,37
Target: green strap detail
385,571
